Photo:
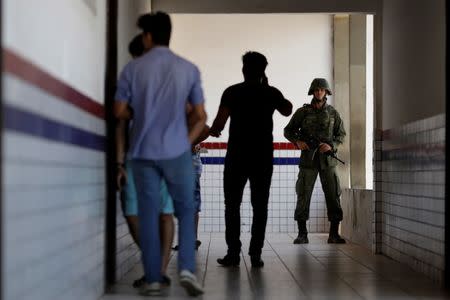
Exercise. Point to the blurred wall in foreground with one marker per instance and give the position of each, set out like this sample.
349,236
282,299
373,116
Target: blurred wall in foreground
53,149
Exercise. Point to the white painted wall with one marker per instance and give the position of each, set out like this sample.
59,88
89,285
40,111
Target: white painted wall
413,61
66,38
297,46
129,11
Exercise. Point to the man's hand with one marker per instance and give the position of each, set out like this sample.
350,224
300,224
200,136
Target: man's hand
121,177
301,145
214,133
324,147
219,122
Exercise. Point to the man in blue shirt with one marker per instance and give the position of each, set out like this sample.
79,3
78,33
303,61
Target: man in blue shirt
157,88
125,183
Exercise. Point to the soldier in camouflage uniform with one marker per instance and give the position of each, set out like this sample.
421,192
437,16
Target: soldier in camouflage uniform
323,122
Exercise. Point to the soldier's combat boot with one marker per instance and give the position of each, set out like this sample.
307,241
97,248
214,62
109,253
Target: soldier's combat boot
302,237
334,237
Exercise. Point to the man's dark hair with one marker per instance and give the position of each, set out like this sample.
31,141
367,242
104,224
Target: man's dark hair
254,64
158,25
136,47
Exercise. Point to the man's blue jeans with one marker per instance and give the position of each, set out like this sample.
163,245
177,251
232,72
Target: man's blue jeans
179,176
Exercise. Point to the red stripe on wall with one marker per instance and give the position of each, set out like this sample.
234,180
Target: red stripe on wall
276,146
25,70
214,145
284,146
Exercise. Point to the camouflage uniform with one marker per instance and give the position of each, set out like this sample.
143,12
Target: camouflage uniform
325,124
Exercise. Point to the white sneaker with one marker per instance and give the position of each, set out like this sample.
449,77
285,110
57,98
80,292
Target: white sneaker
190,283
150,289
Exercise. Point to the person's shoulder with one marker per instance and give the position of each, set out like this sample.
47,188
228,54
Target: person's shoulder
234,88
274,93
128,69
273,89
130,65
185,62
306,107
303,109
331,109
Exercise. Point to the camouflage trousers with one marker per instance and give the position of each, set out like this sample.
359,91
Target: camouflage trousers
331,188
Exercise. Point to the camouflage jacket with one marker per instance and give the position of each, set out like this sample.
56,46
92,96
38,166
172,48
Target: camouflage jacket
324,123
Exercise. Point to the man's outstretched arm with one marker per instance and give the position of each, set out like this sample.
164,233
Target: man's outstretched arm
285,107
220,121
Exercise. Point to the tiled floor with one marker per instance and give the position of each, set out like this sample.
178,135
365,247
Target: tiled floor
313,271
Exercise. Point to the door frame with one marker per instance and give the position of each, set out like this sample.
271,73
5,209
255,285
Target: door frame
110,84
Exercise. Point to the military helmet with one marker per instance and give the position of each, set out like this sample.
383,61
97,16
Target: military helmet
319,83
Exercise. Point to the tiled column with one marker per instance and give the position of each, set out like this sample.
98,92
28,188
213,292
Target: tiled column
377,204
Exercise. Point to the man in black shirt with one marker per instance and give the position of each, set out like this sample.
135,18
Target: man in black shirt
250,106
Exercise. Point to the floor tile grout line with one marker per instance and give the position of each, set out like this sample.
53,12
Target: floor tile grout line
207,260
289,234
252,286
374,271
345,282
371,269
289,270
315,257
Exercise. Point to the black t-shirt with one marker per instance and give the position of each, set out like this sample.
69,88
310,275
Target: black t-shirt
251,110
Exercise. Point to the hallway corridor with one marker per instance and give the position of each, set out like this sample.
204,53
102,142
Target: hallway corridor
313,271
63,234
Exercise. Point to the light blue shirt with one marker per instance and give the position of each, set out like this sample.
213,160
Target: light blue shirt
158,86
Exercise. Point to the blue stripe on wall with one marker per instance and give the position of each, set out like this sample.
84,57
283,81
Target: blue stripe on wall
283,161
286,161
16,119
213,160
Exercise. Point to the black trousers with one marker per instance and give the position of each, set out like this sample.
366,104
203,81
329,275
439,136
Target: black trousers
237,171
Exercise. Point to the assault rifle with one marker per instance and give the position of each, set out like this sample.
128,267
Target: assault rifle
314,142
